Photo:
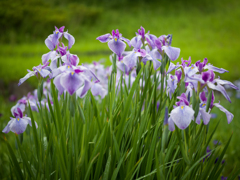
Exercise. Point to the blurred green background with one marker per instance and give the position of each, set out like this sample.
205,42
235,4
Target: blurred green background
200,29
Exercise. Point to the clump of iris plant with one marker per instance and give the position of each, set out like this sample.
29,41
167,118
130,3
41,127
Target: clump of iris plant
149,112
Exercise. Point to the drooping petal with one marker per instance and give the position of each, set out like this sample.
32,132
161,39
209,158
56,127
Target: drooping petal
182,116
97,89
172,52
18,126
228,114
117,46
28,119
28,75
70,38
71,81
126,40
130,60
211,67
58,85
205,116
7,128
224,82
219,88
86,87
104,38
49,42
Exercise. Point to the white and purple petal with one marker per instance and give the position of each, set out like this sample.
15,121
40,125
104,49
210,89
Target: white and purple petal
70,38
117,46
104,38
182,116
228,114
28,75
58,85
219,88
211,67
172,52
71,81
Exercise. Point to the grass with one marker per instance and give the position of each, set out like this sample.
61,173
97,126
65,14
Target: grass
233,157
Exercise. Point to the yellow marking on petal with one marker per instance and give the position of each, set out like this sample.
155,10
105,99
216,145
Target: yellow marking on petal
192,67
203,104
182,107
18,119
57,32
115,39
72,73
68,67
39,69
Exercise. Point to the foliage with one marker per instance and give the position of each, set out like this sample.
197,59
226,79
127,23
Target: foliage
31,19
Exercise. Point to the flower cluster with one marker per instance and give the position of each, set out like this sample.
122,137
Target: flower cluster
193,103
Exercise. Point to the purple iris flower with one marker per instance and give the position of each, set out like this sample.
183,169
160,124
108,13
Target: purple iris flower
186,61
72,78
19,123
115,42
43,70
152,55
54,55
140,38
181,115
201,65
202,114
163,43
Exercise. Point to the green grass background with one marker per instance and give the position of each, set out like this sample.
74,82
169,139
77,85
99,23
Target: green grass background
200,29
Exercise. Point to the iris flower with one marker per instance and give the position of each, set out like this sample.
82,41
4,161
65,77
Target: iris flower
19,123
